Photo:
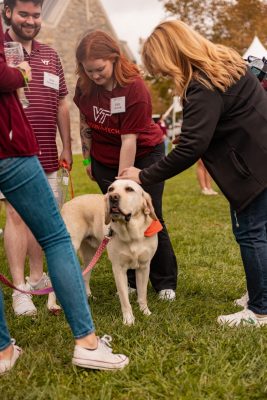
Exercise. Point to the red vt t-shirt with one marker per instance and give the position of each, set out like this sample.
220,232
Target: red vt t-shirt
107,128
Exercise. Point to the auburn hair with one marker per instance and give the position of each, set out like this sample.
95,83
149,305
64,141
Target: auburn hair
176,50
99,45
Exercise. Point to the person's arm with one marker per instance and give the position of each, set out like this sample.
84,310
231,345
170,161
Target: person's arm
63,123
202,111
11,78
86,140
128,151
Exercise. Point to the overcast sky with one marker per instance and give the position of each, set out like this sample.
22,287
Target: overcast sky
133,19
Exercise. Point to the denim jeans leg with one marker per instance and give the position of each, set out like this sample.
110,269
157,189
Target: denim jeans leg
25,186
250,230
5,339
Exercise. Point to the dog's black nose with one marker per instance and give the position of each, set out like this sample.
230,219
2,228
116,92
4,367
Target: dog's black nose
114,199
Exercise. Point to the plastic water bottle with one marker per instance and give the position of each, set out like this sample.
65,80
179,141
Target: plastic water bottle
63,184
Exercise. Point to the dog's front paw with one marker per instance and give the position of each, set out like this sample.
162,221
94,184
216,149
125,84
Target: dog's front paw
52,306
128,319
88,291
145,310
55,310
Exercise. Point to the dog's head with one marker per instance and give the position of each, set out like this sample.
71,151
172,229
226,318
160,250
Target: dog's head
126,199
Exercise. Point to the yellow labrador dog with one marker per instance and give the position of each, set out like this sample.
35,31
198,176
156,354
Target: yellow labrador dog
127,210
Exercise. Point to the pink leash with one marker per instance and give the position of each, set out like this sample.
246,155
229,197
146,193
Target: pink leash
98,253
90,266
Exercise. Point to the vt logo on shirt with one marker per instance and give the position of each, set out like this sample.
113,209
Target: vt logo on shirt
100,114
45,62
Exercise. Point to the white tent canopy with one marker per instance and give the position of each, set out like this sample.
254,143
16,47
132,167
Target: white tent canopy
256,49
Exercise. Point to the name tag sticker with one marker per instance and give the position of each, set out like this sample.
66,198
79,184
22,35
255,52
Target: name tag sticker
51,80
117,105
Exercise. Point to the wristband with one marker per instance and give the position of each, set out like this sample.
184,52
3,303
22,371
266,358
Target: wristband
87,161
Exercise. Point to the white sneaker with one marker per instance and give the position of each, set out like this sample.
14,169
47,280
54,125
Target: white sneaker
167,294
131,291
243,301
6,365
22,303
205,191
208,192
43,283
245,317
100,358
212,192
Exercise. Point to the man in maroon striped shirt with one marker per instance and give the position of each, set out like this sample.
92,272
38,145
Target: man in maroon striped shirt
47,111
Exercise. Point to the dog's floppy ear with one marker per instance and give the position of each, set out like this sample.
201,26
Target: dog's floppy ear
107,215
148,206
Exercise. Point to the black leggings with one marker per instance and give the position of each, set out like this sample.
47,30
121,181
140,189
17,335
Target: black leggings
163,268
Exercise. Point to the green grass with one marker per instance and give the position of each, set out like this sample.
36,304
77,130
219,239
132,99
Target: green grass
179,352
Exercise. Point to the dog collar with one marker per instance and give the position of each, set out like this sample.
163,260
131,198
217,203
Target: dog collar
153,228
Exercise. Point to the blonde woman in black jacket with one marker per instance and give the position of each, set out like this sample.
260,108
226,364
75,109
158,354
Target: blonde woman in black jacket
224,124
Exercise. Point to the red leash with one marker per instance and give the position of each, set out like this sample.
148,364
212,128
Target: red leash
40,292
90,266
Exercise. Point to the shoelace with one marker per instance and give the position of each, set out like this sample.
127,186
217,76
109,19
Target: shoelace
106,342
168,292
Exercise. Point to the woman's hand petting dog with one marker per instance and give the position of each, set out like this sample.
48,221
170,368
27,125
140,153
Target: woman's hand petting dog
131,173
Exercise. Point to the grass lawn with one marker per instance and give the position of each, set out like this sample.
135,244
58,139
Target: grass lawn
179,352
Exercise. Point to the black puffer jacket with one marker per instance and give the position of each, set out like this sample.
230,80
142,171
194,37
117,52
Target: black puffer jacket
229,132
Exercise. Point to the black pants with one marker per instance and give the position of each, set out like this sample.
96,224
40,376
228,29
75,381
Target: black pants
163,269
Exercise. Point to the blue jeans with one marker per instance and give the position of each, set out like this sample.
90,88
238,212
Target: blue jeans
25,186
250,230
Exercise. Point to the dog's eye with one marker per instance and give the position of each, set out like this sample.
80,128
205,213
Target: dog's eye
110,189
129,189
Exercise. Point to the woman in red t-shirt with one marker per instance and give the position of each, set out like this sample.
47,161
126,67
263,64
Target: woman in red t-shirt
117,131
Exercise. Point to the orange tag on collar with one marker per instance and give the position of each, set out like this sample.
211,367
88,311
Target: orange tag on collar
153,228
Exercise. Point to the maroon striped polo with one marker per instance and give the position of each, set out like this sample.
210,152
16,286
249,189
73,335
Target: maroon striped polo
42,112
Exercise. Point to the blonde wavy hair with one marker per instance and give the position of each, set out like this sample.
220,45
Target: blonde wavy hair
174,49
